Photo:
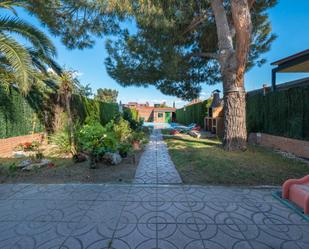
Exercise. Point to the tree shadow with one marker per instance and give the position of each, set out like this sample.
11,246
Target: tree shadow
208,142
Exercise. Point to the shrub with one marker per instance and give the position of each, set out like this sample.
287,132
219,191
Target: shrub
61,139
124,149
131,115
121,128
96,139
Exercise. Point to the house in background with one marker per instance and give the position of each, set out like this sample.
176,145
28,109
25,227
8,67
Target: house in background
296,63
156,113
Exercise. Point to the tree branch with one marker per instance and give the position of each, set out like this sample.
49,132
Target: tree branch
223,29
243,27
205,55
195,22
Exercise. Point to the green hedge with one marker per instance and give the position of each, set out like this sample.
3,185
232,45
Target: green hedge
83,107
194,113
17,117
282,113
18,114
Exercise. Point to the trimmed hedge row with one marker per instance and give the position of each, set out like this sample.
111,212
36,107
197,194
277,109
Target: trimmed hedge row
282,113
16,116
193,113
21,116
82,108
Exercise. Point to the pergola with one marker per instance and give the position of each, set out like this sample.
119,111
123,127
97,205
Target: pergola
296,63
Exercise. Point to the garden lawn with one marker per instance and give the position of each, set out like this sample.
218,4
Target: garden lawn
205,162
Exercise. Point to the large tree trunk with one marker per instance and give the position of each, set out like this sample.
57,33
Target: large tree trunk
235,131
70,124
233,64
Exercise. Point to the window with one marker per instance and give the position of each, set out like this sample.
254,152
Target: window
160,115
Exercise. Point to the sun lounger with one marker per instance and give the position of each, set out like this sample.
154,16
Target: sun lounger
184,128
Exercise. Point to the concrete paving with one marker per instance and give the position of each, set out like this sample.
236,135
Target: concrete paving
148,216
156,166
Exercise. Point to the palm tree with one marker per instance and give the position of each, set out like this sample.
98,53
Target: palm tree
20,65
68,85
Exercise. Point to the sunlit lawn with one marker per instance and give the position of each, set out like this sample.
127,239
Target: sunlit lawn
205,162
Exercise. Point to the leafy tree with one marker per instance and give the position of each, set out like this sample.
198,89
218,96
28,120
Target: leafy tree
85,90
107,95
19,64
77,22
180,45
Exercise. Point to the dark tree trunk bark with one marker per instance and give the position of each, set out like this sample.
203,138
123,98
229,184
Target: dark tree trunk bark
233,52
235,131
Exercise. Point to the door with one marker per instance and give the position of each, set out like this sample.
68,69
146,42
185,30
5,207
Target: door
167,117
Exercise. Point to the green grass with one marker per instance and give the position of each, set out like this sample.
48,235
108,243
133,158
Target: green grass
205,162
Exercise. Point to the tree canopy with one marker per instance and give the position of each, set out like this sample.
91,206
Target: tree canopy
23,65
78,22
107,95
175,47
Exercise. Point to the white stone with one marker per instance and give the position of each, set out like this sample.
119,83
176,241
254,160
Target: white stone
112,158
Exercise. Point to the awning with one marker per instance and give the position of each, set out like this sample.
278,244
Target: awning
296,63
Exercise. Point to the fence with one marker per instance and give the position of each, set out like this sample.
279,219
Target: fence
194,113
282,113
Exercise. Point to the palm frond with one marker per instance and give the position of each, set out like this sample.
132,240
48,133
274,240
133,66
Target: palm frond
39,40
19,60
43,62
10,4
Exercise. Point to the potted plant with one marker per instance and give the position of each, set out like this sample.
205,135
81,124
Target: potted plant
137,137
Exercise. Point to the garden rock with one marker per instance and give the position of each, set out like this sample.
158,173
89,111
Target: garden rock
42,163
112,158
24,163
19,154
195,134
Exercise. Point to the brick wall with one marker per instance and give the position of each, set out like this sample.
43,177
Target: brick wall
146,114
297,147
8,144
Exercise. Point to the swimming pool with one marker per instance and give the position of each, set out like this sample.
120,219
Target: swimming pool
160,125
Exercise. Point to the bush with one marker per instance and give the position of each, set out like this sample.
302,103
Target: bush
96,139
131,115
121,129
61,139
124,149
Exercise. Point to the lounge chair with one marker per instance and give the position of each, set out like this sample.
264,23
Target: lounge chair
183,128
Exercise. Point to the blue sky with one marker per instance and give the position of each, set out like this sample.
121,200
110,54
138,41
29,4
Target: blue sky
290,22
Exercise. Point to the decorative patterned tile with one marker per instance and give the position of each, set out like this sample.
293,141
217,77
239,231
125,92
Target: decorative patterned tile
147,216
156,166
31,235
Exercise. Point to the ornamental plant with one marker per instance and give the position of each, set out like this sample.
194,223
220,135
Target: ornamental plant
121,129
96,140
27,146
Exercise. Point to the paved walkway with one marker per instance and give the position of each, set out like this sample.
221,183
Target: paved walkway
145,216
156,166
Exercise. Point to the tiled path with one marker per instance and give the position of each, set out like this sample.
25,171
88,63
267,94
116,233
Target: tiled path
147,216
156,166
